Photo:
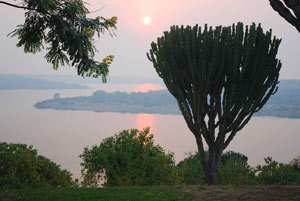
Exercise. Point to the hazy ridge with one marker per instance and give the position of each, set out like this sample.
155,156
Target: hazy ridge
15,82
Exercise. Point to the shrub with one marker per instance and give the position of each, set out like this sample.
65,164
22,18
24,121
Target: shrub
236,156
236,172
190,170
233,169
277,173
127,158
20,166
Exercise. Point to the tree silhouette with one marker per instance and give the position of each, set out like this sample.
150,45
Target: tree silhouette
220,77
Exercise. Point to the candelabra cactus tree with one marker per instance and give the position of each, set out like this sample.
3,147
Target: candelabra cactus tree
220,77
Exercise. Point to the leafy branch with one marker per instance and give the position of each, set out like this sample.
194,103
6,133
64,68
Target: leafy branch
66,31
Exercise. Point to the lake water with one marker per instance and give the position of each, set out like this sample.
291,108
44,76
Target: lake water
62,135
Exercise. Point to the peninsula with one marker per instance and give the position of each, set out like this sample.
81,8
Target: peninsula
285,103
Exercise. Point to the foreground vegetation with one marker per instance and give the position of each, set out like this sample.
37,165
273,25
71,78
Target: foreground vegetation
93,194
130,167
163,193
130,158
22,167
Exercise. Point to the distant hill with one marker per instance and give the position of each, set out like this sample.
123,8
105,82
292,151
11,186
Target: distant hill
285,103
14,82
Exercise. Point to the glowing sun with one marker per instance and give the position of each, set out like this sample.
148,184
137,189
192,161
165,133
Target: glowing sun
147,20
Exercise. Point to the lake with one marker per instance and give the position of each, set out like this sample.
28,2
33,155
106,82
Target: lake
62,135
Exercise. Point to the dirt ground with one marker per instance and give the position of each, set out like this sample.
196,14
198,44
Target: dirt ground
242,193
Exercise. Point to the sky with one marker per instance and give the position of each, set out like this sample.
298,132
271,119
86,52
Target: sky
133,37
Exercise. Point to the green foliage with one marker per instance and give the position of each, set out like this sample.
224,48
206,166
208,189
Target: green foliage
234,169
20,166
67,32
190,170
136,193
277,173
236,172
128,158
235,156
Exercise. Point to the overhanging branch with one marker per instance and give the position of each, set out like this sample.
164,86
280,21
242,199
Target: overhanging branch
284,12
16,6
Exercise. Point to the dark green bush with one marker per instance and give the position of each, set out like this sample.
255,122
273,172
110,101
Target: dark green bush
20,166
128,158
236,172
190,170
277,173
233,169
233,156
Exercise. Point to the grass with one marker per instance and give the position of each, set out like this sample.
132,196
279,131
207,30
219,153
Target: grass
164,193
92,194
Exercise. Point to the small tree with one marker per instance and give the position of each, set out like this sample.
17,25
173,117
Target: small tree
67,31
289,10
220,77
128,158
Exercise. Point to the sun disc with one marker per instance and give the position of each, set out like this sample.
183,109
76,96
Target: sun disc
147,20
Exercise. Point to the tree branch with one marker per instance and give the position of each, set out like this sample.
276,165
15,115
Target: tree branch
16,6
284,12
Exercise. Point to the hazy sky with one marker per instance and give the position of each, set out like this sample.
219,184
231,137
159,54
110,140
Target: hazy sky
134,37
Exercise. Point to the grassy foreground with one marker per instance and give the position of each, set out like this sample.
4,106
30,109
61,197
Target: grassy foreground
176,193
92,194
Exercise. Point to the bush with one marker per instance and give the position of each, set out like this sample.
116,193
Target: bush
128,158
277,173
235,156
190,170
20,166
233,169
236,172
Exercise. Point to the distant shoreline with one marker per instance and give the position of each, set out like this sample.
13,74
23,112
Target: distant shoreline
152,102
139,109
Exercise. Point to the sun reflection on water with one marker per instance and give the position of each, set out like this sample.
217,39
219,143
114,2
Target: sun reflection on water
144,120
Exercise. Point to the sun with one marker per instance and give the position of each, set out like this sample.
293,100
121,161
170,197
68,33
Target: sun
147,20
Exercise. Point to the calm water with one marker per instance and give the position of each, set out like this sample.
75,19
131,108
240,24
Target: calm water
62,135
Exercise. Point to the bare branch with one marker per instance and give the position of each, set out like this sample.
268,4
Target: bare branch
284,12
16,6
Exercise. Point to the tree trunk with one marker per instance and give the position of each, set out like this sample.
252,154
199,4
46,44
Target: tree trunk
213,163
210,164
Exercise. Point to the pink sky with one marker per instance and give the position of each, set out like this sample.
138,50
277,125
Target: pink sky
134,38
